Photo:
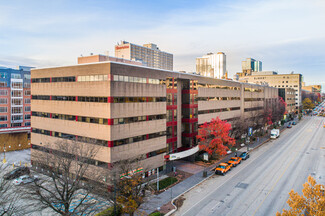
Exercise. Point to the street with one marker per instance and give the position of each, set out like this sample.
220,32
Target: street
260,185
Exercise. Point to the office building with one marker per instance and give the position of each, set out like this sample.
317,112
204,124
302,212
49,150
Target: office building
212,65
149,54
126,111
288,95
312,88
14,108
249,66
279,81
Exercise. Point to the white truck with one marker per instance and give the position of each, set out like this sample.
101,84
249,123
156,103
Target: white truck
275,133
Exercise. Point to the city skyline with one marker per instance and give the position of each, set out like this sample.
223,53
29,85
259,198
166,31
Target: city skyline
50,34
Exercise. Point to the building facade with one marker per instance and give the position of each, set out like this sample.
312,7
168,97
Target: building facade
248,66
127,111
212,65
279,81
149,54
288,95
15,110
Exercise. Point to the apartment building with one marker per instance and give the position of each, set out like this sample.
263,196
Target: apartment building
14,108
126,111
212,65
249,66
279,81
149,54
288,95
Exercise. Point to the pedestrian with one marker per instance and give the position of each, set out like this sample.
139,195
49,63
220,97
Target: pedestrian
235,154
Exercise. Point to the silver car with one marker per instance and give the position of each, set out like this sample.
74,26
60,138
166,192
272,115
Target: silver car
24,179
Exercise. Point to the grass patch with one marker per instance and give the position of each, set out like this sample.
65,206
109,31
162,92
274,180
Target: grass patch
165,183
110,212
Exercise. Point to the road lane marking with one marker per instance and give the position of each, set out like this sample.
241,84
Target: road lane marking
273,186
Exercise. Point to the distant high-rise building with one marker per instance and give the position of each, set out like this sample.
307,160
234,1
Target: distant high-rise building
248,66
148,54
212,65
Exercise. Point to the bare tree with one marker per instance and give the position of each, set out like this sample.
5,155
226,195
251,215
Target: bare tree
67,165
8,195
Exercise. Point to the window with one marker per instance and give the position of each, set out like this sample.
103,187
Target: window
27,109
3,92
3,118
3,75
27,123
3,84
64,79
27,101
3,125
3,109
16,110
96,78
27,93
16,85
16,93
3,101
17,102
27,117
26,76
15,76
26,85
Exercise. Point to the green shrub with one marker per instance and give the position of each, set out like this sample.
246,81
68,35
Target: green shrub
165,183
110,211
156,214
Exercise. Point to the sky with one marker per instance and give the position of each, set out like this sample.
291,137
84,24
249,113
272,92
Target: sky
286,35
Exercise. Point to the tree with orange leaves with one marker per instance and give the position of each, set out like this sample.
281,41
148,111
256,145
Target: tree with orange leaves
214,137
312,202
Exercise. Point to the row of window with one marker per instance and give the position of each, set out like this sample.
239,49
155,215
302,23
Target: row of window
138,138
217,98
253,109
201,85
93,78
253,99
97,141
138,99
122,78
70,137
218,110
253,90
116,121
54,79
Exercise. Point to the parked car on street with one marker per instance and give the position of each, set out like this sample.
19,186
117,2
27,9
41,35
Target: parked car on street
294,123
25,179
289,125
223,168
16,173
235,161
275,133
244,155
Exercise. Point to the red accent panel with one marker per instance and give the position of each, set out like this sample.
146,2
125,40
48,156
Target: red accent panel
147,99
174,139
192,120
50,79
76,98
50,115
76,118
147,136
171,107
147,118
171,90
189,134
50,97
76,78
110,121
190,105
110,99
173,123
110,143
50,133
187,91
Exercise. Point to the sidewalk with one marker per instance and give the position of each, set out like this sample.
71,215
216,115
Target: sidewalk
156,201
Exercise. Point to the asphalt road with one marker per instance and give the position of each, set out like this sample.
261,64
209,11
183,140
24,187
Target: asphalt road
260,185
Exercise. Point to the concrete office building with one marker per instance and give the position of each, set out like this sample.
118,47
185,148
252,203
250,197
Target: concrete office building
288,95
312,88
149,54
125,110
279,81
14,108
212,65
